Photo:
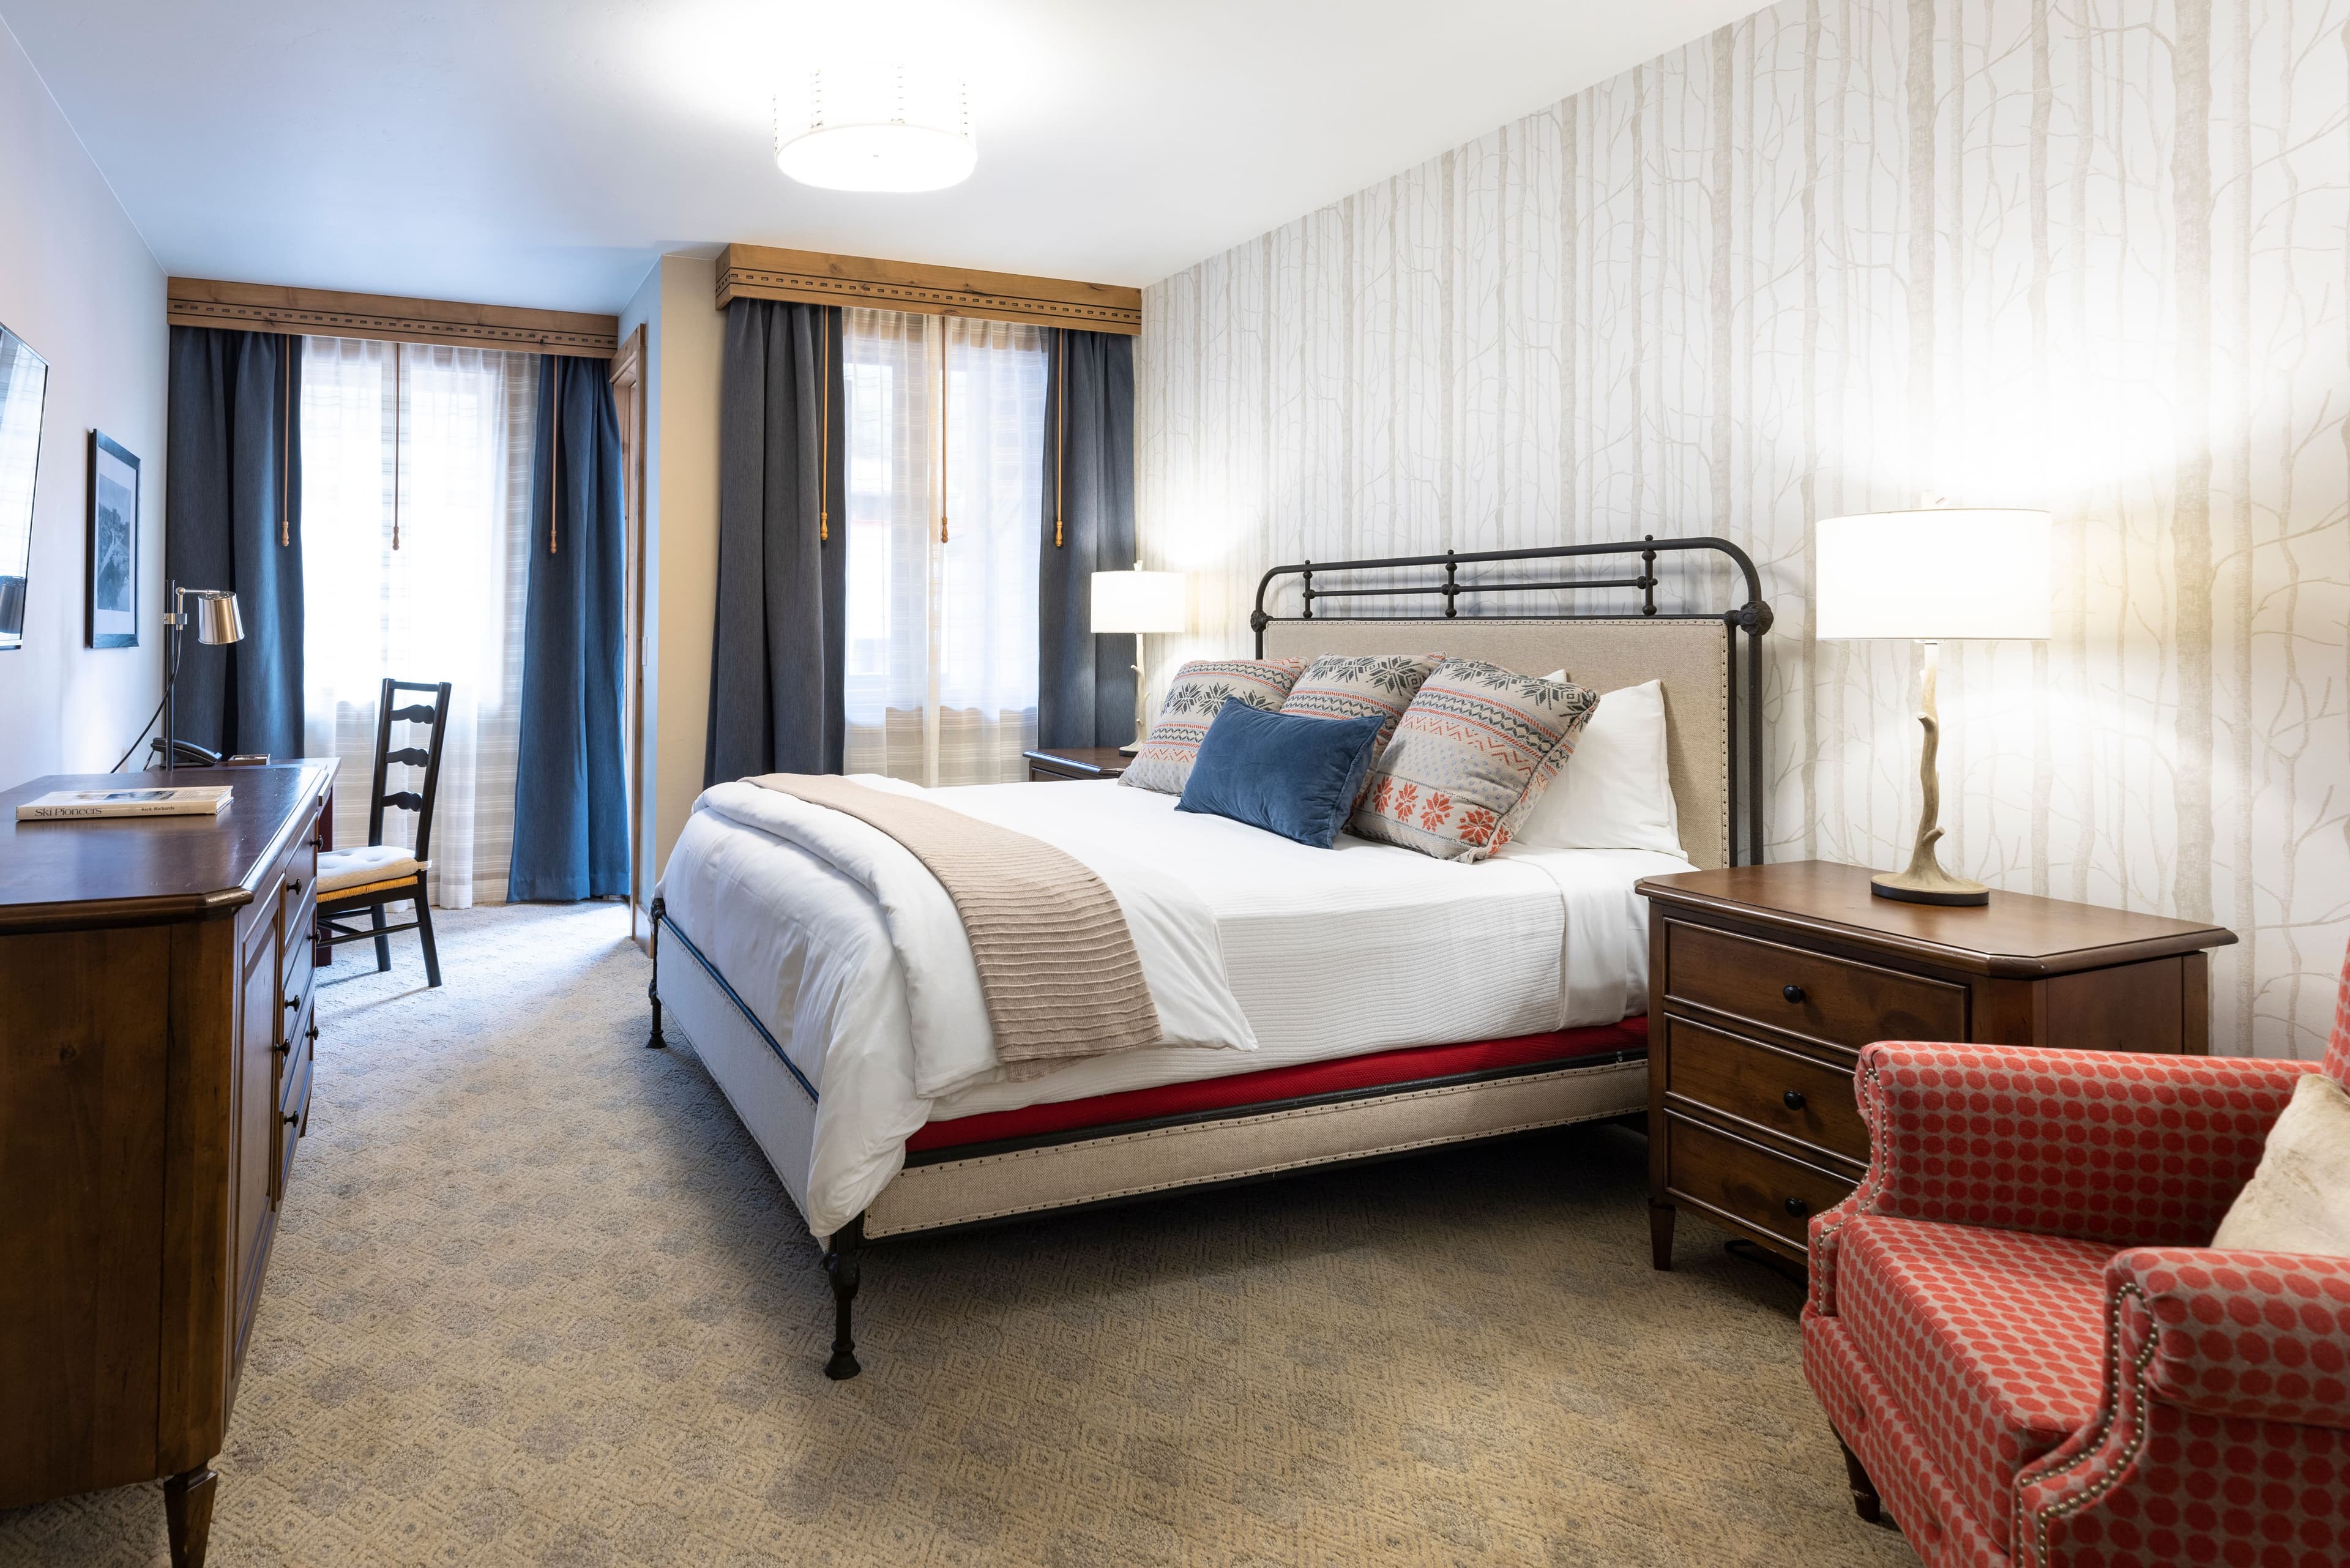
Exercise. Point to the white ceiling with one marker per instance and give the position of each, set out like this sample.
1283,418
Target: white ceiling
545,151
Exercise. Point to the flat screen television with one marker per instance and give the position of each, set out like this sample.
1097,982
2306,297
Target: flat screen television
24,385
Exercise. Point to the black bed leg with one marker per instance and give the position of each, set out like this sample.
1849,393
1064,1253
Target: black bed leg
840,1267
652,988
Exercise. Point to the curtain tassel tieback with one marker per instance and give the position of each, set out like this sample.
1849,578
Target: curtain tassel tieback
395,445
554,455
285,454
824,436
1061,433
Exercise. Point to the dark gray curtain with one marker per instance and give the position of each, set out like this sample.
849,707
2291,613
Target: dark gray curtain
233,519
571,830
780,645
1085,683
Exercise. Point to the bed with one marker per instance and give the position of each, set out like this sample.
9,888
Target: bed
1390,1002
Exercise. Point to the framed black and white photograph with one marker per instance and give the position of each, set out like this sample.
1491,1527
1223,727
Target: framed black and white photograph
113,544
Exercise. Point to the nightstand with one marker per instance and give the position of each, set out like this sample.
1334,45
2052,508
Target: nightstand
1075,762
1765,981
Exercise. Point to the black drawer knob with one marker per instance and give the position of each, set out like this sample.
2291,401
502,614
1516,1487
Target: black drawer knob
312,1033
1792,993
1793,1099
293,1117
1798,1207
293,1004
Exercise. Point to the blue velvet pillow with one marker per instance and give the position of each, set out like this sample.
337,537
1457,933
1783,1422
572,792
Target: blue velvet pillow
1285,772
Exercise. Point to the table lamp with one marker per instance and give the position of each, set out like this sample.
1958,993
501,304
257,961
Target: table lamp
1138,602
216,620
1931,576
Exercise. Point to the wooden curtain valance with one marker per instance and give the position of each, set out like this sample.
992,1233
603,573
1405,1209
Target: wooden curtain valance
812,277
327,313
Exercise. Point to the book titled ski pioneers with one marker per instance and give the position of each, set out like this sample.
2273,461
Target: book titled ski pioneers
77,804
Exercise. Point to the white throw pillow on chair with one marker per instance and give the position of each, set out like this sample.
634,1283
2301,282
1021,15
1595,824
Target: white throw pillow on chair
2299,1198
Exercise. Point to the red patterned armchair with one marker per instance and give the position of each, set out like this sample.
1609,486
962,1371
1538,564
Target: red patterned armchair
2026,1344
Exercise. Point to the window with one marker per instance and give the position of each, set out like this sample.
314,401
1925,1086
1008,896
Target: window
945,435
416,473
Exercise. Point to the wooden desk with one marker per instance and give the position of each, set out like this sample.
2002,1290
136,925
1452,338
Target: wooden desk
156,1046
1765,981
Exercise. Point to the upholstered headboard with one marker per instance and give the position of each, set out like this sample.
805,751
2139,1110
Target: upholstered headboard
1689,659
1712,706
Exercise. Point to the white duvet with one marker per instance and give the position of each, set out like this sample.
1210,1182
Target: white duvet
1259,953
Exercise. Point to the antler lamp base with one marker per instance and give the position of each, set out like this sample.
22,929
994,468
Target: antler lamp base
1925,881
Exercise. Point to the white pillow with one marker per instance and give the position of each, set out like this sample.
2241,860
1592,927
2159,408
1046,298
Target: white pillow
2299,1200
1614,792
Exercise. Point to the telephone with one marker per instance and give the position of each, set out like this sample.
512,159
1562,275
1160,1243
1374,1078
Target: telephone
187,753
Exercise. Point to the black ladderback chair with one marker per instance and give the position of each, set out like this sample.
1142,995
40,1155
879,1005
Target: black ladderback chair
363,880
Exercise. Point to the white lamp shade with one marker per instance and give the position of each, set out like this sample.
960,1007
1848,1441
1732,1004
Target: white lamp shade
1137,601
1932,576
888,128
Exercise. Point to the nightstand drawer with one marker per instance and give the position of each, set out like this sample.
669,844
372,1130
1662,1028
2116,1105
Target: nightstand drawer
1781,1091
1807,993
1744,1182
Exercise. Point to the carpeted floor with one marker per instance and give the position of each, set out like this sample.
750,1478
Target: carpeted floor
537,1299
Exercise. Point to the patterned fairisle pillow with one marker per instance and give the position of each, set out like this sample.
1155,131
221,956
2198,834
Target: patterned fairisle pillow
1340,686
1472,753
1164,759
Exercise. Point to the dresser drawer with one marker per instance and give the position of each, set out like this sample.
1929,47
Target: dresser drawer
297,973
299,1058
1747,1184
298,895
1807,993
1791,1095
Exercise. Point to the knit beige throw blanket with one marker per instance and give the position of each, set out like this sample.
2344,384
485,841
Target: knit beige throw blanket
1057,965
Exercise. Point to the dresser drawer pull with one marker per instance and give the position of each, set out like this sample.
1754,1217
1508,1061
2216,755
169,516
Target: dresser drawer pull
293,887
293,1004
283,1048
1793,1099
1792,993
1798,1207
314,1034
292,1116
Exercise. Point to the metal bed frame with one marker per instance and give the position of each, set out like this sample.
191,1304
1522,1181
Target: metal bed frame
1753,617
844,1250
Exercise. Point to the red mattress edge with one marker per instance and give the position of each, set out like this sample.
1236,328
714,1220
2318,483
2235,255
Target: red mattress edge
1270,1085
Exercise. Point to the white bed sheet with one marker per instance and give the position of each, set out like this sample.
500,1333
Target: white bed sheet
1329,952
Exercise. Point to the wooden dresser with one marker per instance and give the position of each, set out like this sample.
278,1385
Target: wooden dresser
1765,981
156,1046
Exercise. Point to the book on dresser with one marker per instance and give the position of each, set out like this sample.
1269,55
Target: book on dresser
81,805
1765,981
156,1047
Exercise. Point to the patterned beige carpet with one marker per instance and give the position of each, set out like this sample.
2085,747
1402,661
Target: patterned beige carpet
538,1300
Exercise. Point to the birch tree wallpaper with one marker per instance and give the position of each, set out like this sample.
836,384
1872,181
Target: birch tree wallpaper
2083,254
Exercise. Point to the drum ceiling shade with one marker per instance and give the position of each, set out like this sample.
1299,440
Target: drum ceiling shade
1935,575
886,128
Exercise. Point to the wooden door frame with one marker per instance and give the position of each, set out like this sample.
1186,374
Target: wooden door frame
629,398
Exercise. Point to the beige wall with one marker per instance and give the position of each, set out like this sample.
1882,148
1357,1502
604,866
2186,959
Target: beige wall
78,283
684,339
1836,256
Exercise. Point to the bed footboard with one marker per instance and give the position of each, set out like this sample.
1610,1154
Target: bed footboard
990,1184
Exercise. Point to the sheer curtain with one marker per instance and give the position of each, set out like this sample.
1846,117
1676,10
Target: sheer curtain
424,585
941,685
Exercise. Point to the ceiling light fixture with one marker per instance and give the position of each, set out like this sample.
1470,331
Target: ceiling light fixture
888,128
